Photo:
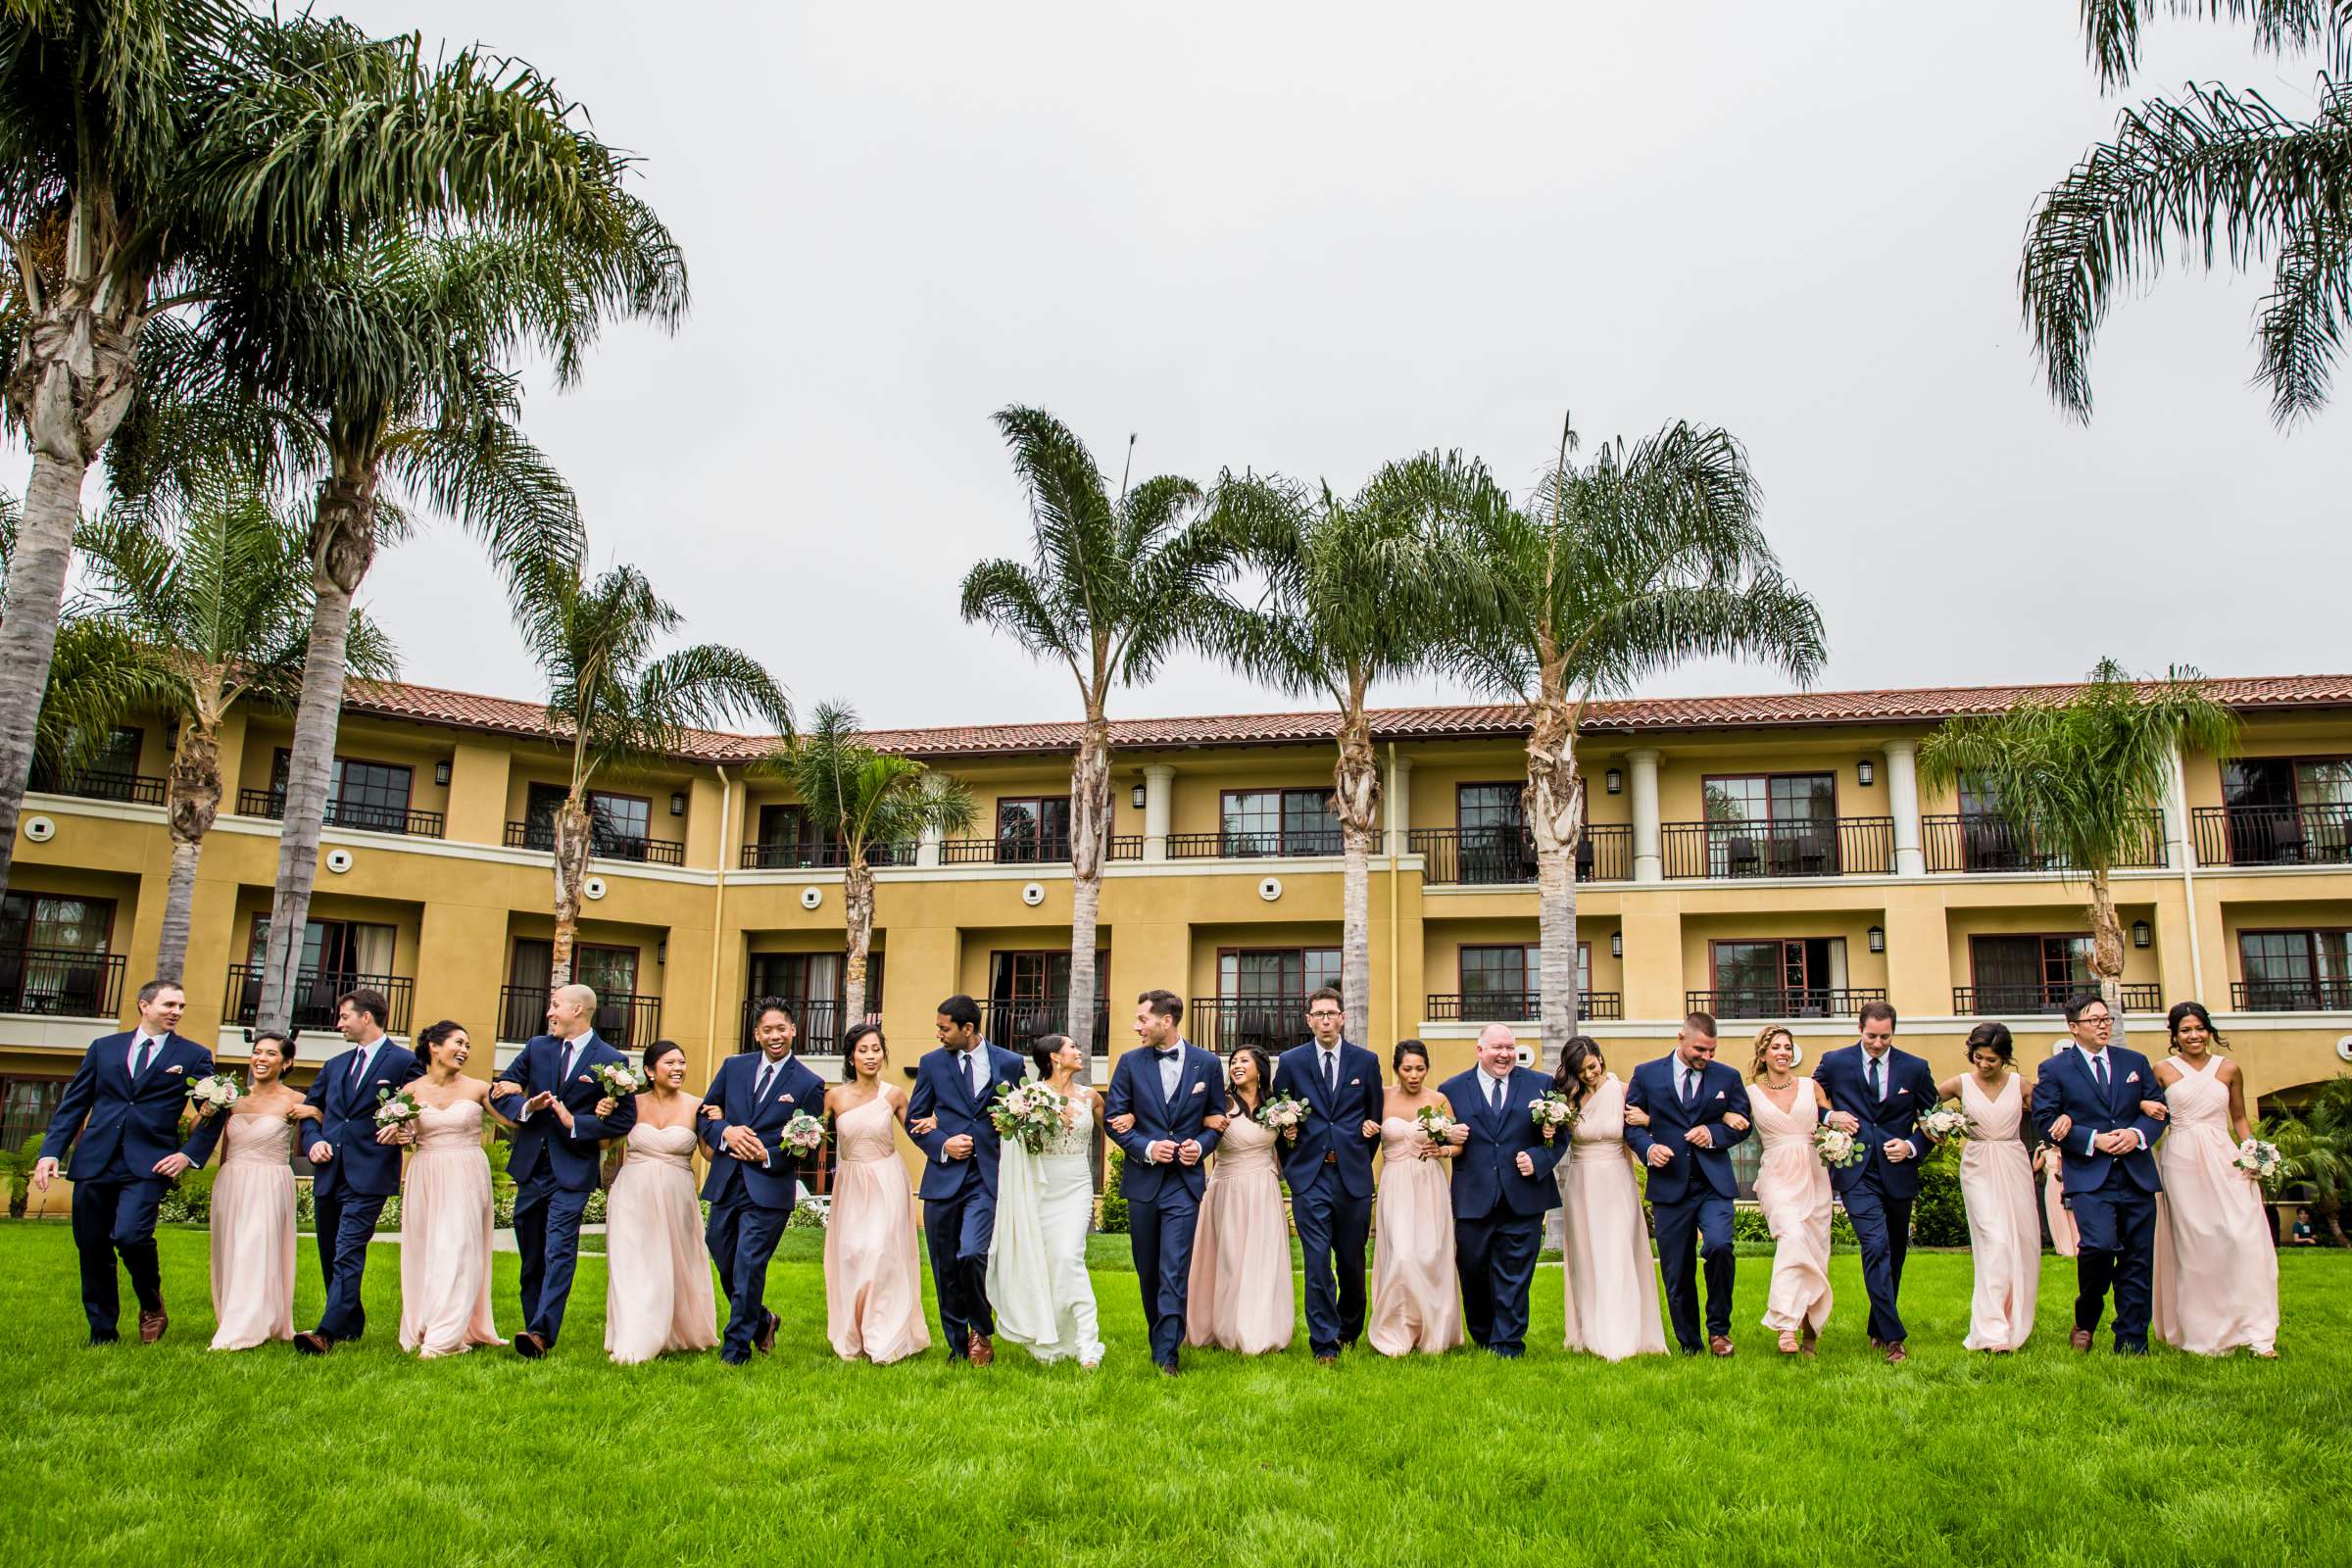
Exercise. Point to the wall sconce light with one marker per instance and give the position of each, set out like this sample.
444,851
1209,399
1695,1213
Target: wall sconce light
1878,938
1867,772
1616,781
1616,944
2141,935
1136,795
441,772
677,803
661,950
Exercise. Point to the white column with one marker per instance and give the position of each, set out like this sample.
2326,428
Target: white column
926,852
2180,847
1649,854
1399,810
1159,792
1902,804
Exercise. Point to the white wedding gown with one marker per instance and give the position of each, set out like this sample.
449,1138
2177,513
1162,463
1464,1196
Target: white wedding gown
1037,1281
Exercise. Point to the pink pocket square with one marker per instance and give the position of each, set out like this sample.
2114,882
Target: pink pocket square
1902,1091
783,1099
1352,1082
584,1079
1200,1089
174,1067
2133,1079
1718,1094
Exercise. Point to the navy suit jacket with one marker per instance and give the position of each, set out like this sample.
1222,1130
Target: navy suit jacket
795,1090
1337,1125
571,1159
1720,1093
1135,1091
1486,1173
102,1111
2066,1088
941,1089
1843,1077
347,1113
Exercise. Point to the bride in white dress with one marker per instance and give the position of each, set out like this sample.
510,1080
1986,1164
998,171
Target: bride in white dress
1037,1280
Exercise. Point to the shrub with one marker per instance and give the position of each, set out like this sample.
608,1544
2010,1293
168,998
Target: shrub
16,1164
807,1216
1113,1219
1940,1219
190,1199
594,1214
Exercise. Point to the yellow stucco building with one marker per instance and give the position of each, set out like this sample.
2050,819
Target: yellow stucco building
1765,858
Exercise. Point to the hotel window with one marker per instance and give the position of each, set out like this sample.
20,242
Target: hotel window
107,775
360,794
2029,973
1256,822
51,953
1502,982
618,826
2296,971
1778,978
1033,827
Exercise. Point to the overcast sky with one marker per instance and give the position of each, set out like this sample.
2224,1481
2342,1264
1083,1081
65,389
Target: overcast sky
1313,238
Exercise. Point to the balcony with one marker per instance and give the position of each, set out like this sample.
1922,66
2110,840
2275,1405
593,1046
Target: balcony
271,803
1516,1007
1024,851
1505,857
61,983
2009,1001
2274,835
820,856
1016,1022
820,1020
2312,994
622,1019
315,993
1253,846
603,843
1761,1006
1224,1024
1861,846
1987,843
131,789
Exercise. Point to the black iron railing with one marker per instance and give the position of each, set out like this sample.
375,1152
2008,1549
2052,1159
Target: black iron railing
315,993
1983,842
1223,1024
603,843
131,789
820,856
61,983
1253,846
822,1021
1514,1006
1488,857
1016,1022
2274,835
353,815
2043,997
1788,1002
1021,849
622,1018
2314,994
1861,846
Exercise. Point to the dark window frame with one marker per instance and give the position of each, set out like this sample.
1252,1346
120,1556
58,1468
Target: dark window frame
1283,795
1705,779
112,905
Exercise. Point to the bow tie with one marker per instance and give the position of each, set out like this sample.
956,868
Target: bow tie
1166,1053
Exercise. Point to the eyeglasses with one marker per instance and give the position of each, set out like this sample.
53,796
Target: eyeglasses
2094,1019
1325,1012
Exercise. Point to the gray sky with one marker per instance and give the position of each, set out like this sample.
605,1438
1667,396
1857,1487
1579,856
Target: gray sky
1311,238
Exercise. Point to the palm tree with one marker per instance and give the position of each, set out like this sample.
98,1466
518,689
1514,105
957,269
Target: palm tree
2219,169
864,801
1112,586
2079,779
2315,1150
624,710
1644,558
148,149
1346,600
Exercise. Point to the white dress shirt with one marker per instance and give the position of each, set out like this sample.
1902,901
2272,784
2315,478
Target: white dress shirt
570,1053
1498,1090
1886,1061
1328,1064
764,1079
1171,1068
138,1040
974,1064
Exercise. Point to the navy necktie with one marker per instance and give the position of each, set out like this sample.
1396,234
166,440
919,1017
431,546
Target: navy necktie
1689,1085
2098,1068
1330,1072
1876,1092
146,1055
767,1078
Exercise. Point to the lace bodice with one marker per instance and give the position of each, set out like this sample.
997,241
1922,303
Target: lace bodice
256,1139
440,1129
1077,1139
667,1146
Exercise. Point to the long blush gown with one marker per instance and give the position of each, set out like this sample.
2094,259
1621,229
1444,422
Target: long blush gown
2004,1233
1793,1189
1239,1296
1416,1302
1611,1288
445,1222
253,1233
657,1292
2217,1270
873,1282
2065,1240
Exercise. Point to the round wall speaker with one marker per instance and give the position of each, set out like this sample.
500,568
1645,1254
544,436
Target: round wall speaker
811,898
39,829
1270,889
338,860
1033,894
593,887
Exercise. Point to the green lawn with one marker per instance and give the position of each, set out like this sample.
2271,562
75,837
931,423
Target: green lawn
170,1455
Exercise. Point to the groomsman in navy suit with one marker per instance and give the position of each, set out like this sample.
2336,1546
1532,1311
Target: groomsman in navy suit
1329,1168
750,1098
1687,1097
550,1093
355,1164
953,1088
1878,1094
1502,1183
121,1117
2086,1102
1168,1088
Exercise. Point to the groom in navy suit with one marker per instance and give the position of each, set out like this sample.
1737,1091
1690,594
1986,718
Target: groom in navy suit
1329,1168
1502,1183
1168,1088
355,1164
750,1187
550,1093
121,1117
2086,1102
1687,1097
953,1088
1878,1094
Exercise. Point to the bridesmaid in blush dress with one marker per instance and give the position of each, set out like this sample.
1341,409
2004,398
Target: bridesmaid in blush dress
1415,1301
1238,1294
873,1279
2217,1268
1997,1183
1793,1189
445,1206
1610,1287
657,1290
253,1205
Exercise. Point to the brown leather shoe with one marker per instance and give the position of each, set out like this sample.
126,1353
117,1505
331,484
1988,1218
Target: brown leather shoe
530,1347
1167,1371
152,1324
766,1340
1896,1355
309,1341
2079,1339
980,1351
1876,1343
1719,1345
1806,1346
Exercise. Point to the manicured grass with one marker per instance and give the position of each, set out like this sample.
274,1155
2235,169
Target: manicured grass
169,1455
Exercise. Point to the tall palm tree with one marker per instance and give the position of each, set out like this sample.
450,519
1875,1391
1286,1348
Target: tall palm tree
2219,169
864,801
150,147
1112,586
2078,779
1646,558
1345,599
624,708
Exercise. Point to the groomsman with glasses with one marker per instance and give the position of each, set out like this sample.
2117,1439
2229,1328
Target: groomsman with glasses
2087,1102
1328,1164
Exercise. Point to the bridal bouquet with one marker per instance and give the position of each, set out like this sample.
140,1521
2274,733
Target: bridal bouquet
620,1080
1029,1114
1837,1150
219,1090
1551,1112
395,1108
1284,1114
1940,1123
804,1135
1435,1124
2256,1158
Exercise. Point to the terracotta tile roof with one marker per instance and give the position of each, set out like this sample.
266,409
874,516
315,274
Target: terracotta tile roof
433,705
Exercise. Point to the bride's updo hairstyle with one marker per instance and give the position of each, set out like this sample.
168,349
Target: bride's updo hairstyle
656,1051
1042,1049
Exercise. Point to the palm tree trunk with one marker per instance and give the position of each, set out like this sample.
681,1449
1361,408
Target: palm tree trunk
1090,813
1355,800
2107,949
1554,810
342,544
191,804
575,838
857,909
36,588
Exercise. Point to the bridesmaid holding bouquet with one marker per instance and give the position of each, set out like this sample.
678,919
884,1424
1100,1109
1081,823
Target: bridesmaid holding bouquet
1611,1288
874,1275
657,1290
1416,1304
1237,1296
2217,1268
445,1209
1793,1189
253,1205
1997,1183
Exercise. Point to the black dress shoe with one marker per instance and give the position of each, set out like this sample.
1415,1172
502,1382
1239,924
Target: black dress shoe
311,1342
766,1340
530,1347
